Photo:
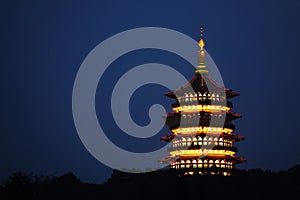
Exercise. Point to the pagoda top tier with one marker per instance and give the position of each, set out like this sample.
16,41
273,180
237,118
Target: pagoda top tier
201,83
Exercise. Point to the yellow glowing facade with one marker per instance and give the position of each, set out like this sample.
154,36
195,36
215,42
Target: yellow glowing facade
200,129
201,152
199,108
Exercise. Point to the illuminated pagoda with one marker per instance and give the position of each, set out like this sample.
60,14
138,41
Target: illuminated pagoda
202,135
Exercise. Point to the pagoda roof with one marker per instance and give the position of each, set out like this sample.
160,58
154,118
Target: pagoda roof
201,83
231,114
235,136
201,102
170,159
176,122
236,159
169,137
196,147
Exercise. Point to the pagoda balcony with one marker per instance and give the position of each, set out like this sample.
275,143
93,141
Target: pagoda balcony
205,162
201,102
227,139
193,147
222,139
201,119
175,123
210,159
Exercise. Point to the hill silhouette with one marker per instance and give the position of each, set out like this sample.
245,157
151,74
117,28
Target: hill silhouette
161,184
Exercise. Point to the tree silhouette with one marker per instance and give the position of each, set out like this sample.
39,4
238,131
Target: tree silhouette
160,184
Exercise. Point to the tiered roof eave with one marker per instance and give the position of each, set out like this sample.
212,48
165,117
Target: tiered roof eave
199,84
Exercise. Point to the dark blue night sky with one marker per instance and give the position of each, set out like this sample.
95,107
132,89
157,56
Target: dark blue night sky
43,43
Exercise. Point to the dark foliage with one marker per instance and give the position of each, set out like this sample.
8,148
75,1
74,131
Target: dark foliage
161,184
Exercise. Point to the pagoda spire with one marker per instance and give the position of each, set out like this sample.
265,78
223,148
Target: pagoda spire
201,67
201,42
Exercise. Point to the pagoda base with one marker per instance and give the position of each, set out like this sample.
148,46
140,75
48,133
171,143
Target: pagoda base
203,172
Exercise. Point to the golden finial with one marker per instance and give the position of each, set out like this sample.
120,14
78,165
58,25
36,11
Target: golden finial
201,67
201,42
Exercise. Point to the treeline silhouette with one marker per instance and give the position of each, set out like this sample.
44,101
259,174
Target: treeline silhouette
161,184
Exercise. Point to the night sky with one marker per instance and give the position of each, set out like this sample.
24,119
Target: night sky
43,43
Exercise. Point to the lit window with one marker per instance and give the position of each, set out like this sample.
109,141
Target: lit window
217,163
205,139
188,162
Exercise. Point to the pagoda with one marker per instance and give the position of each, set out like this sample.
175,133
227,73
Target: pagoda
202,132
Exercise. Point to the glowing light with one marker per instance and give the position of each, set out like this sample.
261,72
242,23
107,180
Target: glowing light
198,108
201,152
201,43
200,129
